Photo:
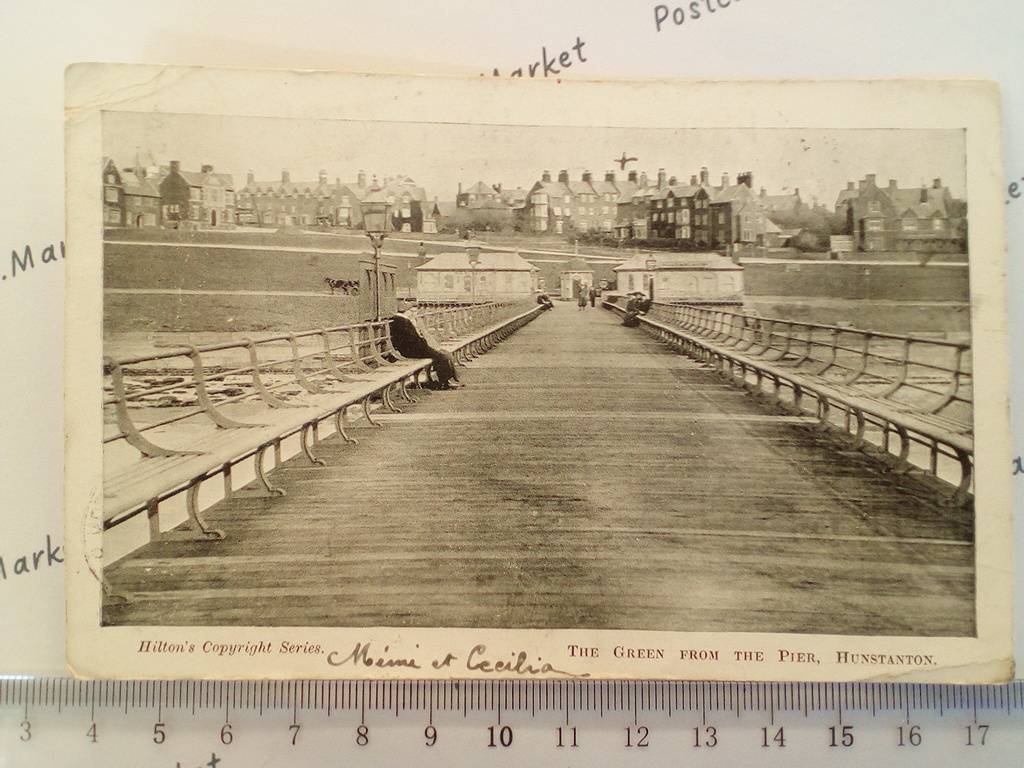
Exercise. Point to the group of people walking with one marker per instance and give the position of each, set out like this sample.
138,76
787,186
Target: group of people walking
587,293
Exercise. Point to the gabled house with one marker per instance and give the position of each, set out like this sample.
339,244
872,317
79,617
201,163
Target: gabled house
175,197
892,218
141,199
113,195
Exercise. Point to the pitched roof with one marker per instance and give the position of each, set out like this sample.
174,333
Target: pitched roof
133,185
480,189
581,188
846,194
731,193
501,261
904,200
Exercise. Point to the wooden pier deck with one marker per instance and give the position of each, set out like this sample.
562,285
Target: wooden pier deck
586,477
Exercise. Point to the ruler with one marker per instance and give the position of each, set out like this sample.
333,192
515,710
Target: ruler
149,724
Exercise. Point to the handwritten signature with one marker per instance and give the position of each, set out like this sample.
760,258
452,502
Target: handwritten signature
477,660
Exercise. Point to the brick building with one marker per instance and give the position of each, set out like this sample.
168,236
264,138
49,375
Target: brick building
113,195
894,218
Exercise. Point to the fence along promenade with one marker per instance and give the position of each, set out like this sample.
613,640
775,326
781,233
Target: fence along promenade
916,388
182,415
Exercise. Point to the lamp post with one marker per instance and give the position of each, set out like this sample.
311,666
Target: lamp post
651,264
474,260
376,221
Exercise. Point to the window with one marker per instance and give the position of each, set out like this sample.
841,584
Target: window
567,199
684,216
110,194
874,206
909,225
557,210
685,233
938,225
406,212
873,225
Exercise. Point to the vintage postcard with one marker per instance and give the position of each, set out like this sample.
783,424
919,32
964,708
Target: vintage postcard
390,376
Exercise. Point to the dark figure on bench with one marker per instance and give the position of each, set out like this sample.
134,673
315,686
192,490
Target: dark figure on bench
412,340
637,305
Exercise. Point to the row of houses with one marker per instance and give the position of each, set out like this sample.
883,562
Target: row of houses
152,195
698,213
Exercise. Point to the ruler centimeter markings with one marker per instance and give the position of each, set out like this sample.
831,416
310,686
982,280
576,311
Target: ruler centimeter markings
217,724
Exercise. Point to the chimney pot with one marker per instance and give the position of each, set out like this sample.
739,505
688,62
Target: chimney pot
850,185
586,176
632,176
361,179
546,176
693,180
175,166
661,178
937,183
892,183
563,176
609,176
285,177
671,181
250,178
703,174
725,180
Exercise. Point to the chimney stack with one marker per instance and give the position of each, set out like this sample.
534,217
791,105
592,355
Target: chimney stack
250,179
704,174
206,169
497,187
937,183
693,179
671,181
587,176
563,177
661,178
892,185
285,177
175,166
609,176
546,176
871,177
361,179
632,176
924,194
747,178
850,185
725,180
643,179
460,187
796,192
322,177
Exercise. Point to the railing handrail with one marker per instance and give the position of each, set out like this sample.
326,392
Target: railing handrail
177,350
825,327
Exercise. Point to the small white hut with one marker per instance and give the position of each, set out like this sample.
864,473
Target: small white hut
474,277
682,277
577,276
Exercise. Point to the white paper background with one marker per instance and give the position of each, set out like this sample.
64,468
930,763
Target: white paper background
750,38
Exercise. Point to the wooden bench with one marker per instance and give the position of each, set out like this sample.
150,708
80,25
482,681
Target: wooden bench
744,360
320,375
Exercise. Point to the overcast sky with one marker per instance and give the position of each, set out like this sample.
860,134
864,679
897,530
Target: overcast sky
439,156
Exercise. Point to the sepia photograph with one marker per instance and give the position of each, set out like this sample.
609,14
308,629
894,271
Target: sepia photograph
685,389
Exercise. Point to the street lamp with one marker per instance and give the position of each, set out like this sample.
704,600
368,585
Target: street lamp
474,260
376,223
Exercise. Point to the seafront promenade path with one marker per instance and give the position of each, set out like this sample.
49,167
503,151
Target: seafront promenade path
586,476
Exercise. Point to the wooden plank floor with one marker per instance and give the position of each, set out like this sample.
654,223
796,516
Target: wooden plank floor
585,477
